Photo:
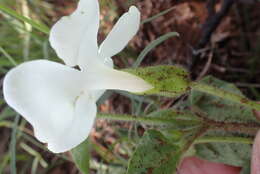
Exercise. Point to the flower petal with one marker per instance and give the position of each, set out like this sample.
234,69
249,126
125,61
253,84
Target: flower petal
108,62
123,31
79,128
108,78
44,93
74,37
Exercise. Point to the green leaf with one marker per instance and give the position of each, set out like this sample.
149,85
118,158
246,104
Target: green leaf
223,111
38,26
154,155
246,168
81,156
152,45
226,95
220,109
171,81
229,153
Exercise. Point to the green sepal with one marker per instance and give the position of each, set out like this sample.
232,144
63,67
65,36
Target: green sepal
169,81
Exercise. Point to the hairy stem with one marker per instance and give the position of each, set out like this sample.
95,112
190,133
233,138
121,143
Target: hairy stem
146,120
225,95
224,140
247,128
194,137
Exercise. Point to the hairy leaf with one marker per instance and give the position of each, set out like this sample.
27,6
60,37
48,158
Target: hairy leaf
154,155
219,109
223,111
228,153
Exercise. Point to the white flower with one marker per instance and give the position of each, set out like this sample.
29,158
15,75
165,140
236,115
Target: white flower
60,101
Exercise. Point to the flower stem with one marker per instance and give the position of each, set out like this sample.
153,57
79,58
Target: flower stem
224,140
146,120
225,95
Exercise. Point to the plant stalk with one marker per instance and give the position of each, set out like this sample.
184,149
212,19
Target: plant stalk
224,140
146,120
225,95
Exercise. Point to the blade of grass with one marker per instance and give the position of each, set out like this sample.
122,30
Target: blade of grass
35,165
36,154
6,113
152,45
39,145
13,145
10,59
157,15
41,27
28,27
4,162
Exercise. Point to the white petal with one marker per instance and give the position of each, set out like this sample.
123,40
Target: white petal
108,78
123,31
44,93
97,94
79,128
108,62
74,37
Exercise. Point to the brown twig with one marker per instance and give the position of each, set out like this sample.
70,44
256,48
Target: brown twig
206,67
212,22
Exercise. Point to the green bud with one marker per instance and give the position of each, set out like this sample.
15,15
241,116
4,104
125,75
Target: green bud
170,81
